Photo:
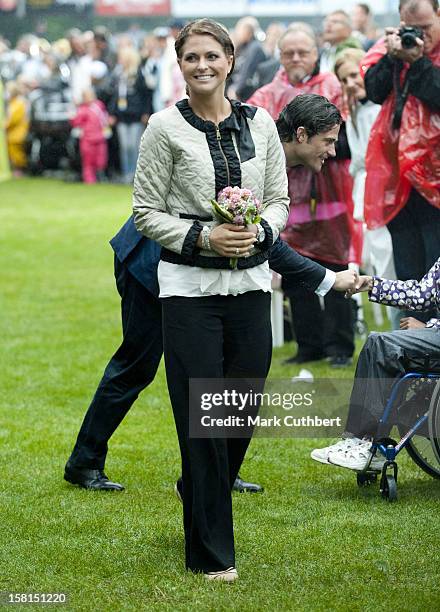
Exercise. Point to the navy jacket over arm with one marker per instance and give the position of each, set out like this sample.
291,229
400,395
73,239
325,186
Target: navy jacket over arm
140,254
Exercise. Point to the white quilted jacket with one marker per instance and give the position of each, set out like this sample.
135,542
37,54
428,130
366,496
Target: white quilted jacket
182,165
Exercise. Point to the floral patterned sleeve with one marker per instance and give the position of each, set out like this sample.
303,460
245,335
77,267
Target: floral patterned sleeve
411,294
433,323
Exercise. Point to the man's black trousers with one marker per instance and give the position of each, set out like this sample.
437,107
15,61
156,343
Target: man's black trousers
131,369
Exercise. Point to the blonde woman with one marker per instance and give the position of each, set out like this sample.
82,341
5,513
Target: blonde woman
377,255
129,108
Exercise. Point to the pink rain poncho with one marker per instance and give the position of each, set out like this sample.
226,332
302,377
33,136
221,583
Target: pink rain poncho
398,160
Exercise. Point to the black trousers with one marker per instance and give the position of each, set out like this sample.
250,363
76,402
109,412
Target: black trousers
384,358
212,337
415,233
131,369
326,332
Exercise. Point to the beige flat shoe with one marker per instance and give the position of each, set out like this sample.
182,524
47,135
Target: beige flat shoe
227,575
178,490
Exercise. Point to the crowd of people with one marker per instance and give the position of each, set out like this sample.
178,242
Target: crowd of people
195,109
133,74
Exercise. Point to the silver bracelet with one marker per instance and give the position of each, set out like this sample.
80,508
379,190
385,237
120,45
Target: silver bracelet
205,233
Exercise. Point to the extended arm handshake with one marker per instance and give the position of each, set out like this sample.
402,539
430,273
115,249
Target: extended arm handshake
411,294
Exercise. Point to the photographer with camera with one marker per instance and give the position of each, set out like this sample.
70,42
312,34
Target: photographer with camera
402,191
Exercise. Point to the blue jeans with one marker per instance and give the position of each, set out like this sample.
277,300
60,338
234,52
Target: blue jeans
129,136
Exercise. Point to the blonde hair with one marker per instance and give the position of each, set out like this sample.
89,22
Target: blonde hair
348,55
354,56
14,89
129,60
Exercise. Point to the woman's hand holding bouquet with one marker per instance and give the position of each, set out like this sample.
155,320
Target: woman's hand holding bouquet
239,210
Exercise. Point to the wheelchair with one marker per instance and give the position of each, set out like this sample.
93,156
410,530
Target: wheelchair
414,407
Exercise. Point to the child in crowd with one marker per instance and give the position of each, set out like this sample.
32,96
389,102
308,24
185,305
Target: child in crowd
17,127
92,119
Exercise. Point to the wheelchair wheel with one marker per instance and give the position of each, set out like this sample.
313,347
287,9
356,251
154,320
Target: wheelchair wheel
434,425
389,488
365,479
421,448
421,451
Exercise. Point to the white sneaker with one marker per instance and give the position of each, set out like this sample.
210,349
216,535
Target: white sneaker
227,575
321,454
357,457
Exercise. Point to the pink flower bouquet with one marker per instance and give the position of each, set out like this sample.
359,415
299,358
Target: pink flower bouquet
237,206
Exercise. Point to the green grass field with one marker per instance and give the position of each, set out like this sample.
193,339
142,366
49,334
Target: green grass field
313,541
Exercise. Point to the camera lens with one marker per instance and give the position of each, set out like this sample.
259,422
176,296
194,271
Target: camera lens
408,36
408,40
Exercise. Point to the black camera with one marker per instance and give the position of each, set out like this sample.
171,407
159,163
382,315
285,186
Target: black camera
408,36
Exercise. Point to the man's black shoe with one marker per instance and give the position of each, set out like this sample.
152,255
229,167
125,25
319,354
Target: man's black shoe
340,361
303,359
246,487
90,479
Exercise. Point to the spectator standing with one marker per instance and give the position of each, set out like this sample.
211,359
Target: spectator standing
92,119
79,64
34,69
377,254
336,36
403,163
129,107
4,161
273,33
160,66
17,127
150,66
171,83
266,71
103,51
363,27
320,223
250,54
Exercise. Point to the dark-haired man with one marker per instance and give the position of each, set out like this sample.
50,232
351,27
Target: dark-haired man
134,365
402,189
308,128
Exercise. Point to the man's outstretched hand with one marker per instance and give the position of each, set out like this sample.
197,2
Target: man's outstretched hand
363,283
346,280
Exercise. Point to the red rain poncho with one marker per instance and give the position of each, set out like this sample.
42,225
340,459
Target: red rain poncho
398,160
320,223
